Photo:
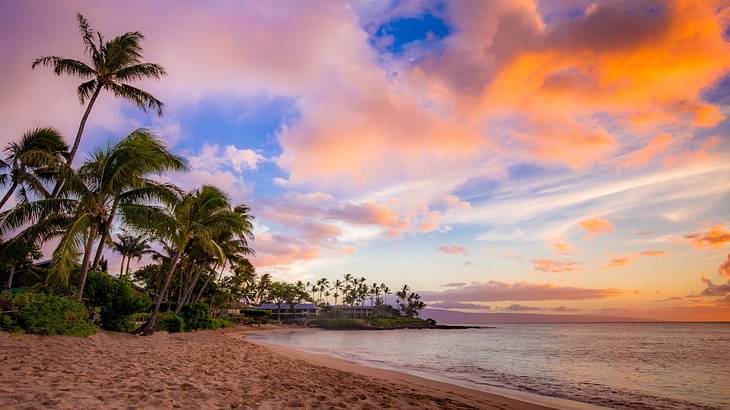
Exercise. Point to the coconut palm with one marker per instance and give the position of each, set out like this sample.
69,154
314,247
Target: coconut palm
27,162
196,216
131,246
336,287
112,182
113,65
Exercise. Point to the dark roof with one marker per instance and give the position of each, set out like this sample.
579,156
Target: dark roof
284,306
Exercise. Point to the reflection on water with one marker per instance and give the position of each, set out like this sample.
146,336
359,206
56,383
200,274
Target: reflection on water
652,366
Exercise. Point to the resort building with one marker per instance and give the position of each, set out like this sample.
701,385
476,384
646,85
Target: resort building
301,310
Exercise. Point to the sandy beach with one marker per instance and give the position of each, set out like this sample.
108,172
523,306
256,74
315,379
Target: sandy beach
207,370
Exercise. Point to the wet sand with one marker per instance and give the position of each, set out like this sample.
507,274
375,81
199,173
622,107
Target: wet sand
208,370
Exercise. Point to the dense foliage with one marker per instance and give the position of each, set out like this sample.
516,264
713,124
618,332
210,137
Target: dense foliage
45,314
117,301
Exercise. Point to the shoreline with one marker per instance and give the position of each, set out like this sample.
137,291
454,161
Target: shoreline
491,397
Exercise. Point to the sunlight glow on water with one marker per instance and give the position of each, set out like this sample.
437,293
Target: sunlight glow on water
629,366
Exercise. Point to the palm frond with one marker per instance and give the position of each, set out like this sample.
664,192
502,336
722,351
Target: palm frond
67,252
140,72
61,65
141,99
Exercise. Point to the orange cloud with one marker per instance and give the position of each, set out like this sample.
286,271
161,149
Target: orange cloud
554,266
453,249
617,261
642,156
724,269
563,248
277,250
715,237
653,253
596,226
347,250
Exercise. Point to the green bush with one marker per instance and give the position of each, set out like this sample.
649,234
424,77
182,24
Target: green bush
397,322
340,323
253,315
117,299
171,322
45,314
196,316
221,323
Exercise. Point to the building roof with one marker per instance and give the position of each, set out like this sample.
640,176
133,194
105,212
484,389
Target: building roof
284,306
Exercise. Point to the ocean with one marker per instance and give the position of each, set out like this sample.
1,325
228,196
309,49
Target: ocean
616,365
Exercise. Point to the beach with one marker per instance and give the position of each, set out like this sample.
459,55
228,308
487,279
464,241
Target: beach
211,369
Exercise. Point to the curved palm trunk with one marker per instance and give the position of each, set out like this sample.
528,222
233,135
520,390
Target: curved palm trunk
121,268
10,277
149,327
104,236
189,289
8,195
126,272
85,263
77,141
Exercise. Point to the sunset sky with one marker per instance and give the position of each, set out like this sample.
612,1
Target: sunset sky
525,156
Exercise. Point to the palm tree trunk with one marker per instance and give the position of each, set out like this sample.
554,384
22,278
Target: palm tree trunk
189,289
202,289
121,268
104,235
126,273
149,327
10,277
77,141
85,263
8,195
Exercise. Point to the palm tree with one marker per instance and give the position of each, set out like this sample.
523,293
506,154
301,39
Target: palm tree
114,64
112,182
197,216
336,286
131,246
28,162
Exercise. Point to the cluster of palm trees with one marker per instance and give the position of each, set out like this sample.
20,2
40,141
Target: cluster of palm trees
78,207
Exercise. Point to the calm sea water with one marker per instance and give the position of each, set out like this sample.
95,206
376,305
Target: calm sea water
626,366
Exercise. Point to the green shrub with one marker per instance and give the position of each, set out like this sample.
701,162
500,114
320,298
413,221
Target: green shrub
117,299
340,323
196,316
253,315
221,323
397,322
46,314
171,322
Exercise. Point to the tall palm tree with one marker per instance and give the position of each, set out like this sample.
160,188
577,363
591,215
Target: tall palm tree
131,246
112,182
114,64
28,161
199,216
336,287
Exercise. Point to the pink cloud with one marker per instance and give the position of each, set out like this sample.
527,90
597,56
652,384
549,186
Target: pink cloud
494,291
642,156
617,262
724,269
555,266
563,248
596,226
277,250
453,249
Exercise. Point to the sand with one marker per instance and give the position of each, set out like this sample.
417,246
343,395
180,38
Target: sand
216,369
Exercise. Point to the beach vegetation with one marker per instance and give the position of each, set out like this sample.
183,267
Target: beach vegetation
45,314
117,300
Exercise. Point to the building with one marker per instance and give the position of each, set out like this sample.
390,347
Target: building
356,311
301,310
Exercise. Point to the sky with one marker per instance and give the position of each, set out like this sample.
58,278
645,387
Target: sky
505,156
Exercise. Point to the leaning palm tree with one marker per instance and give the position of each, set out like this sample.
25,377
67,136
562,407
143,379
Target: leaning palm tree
197,216
114,181
29,162
114,64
